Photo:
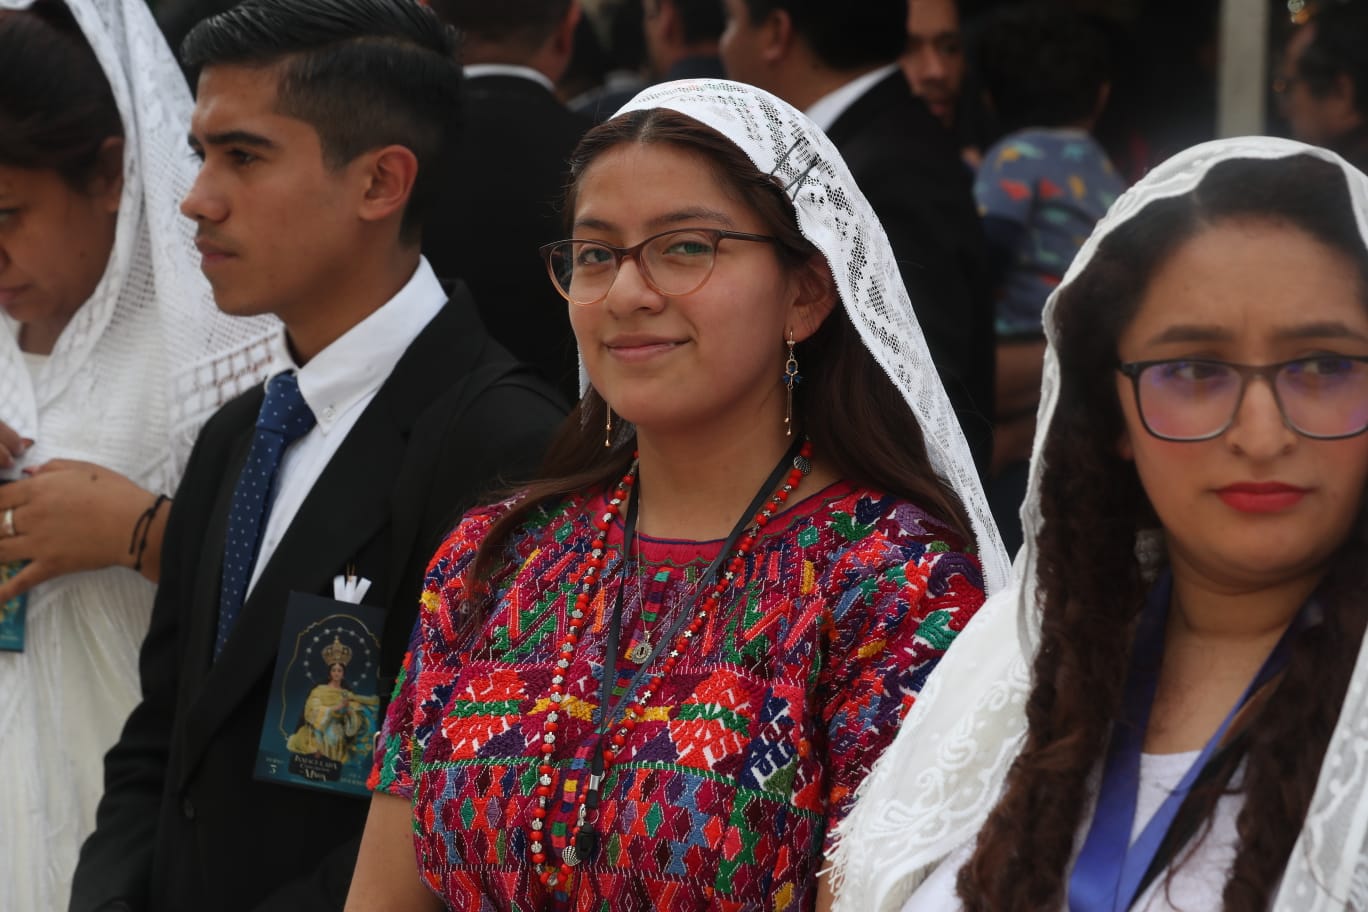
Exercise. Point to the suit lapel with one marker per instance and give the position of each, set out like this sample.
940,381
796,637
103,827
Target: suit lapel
202,616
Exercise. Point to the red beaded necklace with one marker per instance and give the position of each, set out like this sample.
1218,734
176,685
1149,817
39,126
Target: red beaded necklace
581,839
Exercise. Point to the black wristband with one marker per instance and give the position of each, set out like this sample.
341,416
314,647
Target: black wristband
142,528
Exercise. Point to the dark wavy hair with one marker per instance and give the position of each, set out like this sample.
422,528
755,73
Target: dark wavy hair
56,106
1090,589
363,73
856,418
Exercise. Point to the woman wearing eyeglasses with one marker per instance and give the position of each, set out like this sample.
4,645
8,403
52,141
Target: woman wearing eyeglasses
1166,711
654,680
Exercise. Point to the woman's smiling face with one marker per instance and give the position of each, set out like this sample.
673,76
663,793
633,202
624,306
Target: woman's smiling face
676,363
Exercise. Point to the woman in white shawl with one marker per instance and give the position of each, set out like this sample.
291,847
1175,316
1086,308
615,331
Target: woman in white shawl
112,356
1166,710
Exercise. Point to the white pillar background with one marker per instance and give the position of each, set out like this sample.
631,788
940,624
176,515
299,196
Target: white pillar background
1244,72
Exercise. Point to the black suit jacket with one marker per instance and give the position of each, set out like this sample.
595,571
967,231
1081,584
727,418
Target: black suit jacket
501,200
907,165
182,824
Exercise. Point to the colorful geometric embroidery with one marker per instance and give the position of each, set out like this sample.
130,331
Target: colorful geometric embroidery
724,794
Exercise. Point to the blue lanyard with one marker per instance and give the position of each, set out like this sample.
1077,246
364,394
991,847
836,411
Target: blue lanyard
1110,869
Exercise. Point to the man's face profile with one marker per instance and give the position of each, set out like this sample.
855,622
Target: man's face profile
275,224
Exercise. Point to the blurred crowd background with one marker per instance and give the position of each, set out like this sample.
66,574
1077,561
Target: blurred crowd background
1164,60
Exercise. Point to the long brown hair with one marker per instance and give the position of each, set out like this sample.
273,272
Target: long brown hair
856,418
1090,589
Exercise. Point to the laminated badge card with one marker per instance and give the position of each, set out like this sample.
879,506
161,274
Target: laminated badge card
12,612
321,722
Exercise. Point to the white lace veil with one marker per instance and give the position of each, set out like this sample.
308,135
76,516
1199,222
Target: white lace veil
933,788
835,216
152,306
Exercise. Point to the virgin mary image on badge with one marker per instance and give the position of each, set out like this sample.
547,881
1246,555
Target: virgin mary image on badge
337,722
323,733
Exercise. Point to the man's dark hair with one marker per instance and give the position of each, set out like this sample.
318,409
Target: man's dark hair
1042,67
363,73
703,20
1338,46
844,36
626,33
521,25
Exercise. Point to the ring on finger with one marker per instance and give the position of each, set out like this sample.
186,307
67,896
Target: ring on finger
7,523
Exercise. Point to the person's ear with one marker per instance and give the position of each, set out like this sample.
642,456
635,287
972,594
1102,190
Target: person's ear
106,185
389,174
667,23
1342,91
1103,96
814,298
565,32
776,36
1124,448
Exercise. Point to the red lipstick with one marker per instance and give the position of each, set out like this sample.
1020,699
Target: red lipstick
1261,497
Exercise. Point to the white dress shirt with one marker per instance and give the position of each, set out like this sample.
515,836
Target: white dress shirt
826,110
338,383
476,70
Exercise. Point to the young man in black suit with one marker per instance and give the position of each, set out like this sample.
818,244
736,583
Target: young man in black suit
839,63
511,167
318,124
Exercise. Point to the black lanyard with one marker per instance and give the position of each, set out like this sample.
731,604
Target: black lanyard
610,659
587,838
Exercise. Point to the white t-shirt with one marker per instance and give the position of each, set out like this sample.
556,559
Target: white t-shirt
1194,885
33,362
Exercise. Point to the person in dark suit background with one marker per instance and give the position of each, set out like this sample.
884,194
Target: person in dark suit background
509,171
318,125
681,43
681,38
838,62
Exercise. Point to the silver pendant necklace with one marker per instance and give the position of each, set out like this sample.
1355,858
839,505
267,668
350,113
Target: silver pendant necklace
640,650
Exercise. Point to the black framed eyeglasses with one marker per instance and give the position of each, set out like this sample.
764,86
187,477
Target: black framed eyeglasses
1324,397
674,263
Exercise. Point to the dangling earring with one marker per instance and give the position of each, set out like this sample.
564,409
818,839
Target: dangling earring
607,424
791,379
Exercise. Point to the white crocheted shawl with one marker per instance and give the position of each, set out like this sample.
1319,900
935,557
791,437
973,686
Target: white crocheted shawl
149,357
835,216
933,788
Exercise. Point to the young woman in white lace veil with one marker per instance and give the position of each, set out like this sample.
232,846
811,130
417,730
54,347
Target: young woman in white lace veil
717,230
988,798
103,387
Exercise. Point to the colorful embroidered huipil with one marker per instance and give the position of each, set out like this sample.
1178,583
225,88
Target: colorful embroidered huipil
750,752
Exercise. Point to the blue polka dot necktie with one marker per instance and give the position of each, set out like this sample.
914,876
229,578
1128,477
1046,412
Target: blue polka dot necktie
283,419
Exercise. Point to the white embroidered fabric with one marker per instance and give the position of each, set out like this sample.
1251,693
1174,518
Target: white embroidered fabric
835,216
133,376
933,788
